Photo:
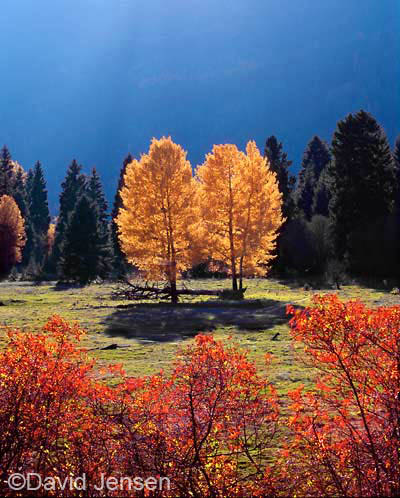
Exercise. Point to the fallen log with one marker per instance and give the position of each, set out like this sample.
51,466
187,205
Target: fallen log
134,291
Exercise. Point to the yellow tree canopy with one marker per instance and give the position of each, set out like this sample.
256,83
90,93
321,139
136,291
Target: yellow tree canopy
12,234
157,212
240,207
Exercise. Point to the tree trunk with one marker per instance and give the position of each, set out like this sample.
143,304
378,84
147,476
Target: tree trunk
174,292
234,279
241,274
231,245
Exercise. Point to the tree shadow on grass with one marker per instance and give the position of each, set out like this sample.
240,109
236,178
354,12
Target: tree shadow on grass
166,322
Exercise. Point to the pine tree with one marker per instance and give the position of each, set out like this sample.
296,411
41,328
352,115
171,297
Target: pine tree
96,195
394,221
28,249
316,159
29,182
280,165
39,206
363,193
120,265
305,193
72,189
317,156
84,250
6,173
20,194
322,194
39,213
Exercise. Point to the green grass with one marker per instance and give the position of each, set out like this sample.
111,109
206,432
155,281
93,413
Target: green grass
152,332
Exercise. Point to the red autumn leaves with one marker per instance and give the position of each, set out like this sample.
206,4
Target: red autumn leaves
208,426
213,426
347,431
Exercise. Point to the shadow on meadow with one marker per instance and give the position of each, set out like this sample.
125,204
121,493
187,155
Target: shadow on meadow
166,322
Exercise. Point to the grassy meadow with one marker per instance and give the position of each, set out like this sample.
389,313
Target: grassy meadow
150,332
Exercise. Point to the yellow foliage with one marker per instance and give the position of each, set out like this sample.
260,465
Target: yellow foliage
231,211
51,235
158,211
12,233
239,206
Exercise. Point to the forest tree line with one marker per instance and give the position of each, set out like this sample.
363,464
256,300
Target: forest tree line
341,214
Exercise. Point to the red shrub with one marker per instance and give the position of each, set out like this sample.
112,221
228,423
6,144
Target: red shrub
50,420
208,427
347,432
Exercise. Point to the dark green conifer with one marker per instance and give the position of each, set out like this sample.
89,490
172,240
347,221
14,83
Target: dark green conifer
72,189
316,159
39,214
6,173
280,165
322,195
96,195
20,194
84,250
363,188
120,264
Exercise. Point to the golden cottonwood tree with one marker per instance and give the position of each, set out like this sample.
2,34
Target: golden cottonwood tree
12,234
240,208
157,212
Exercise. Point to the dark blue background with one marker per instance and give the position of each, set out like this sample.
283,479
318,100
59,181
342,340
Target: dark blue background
94,79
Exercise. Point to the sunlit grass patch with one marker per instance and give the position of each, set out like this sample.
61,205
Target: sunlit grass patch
151,332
